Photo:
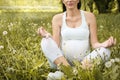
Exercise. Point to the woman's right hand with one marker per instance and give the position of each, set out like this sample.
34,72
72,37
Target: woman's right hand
42,32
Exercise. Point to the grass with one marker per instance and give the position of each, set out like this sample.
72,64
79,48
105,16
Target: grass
21,57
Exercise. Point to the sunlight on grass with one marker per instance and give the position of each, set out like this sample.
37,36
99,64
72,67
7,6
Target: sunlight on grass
21,57
30,6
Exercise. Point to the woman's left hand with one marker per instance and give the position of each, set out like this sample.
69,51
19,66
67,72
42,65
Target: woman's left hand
110,42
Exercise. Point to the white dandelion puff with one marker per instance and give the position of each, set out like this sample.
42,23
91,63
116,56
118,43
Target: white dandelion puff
112,60
108,64
1,47
55,76
5,32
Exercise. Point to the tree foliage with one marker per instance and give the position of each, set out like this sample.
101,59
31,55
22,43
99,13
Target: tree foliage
100,6
95,6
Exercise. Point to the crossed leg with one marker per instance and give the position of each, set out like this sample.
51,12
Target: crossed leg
55,55
51,50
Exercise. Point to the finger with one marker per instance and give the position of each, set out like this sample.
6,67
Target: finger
114,43
48,35
109,42
38,31
111,38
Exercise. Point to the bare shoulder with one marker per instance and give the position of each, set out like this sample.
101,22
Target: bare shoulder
57,19
58,16
89,15
90,18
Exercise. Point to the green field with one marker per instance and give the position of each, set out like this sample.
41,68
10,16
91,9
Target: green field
21,57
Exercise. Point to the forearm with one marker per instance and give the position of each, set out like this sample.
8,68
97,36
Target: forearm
97,45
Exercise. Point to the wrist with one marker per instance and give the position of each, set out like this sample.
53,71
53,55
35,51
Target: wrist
98,45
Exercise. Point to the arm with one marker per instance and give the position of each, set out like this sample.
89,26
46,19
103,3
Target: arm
56,27
93,34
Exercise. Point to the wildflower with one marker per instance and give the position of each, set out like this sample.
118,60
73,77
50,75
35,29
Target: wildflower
55,76
11,24
117,60
14,51
112,60
75,71
1,47
5,32
108,64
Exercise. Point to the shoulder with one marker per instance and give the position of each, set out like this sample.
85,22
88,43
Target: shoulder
57,18
89,15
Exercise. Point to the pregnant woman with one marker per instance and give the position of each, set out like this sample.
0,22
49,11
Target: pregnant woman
73,32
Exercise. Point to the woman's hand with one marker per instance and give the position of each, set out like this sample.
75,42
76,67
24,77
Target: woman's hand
42,32
108,43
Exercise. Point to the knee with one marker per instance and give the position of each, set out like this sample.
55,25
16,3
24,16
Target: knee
104,53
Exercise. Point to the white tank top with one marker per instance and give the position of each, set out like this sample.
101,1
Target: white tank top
75,41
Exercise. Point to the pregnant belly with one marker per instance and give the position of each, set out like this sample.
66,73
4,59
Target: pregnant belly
75,49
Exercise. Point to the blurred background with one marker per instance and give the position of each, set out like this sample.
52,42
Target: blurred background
96,6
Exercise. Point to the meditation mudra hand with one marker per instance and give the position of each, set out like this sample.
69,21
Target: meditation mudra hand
41,31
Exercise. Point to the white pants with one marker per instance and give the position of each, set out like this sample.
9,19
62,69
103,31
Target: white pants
52,52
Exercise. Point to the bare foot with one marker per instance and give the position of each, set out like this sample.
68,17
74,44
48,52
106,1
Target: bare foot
86,64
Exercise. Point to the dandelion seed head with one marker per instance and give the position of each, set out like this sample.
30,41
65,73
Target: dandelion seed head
5,32
108,64
112,60
1,47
